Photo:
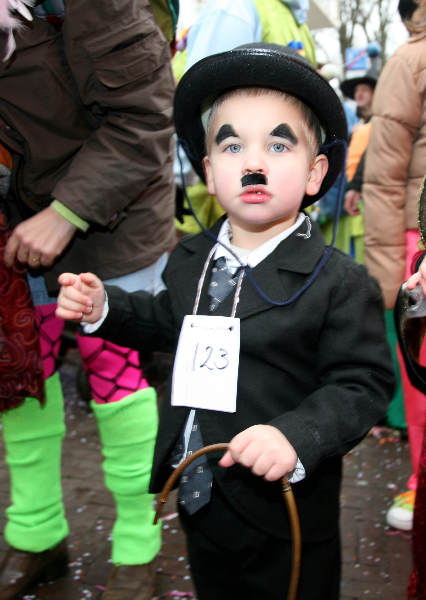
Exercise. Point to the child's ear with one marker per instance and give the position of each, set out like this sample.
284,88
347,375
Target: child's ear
318,171
209,176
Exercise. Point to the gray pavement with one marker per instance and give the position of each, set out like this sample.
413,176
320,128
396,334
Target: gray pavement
376,559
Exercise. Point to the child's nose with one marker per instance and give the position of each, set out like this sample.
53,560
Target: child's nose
254,163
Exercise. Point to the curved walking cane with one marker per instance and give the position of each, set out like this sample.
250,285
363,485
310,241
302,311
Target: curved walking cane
288,497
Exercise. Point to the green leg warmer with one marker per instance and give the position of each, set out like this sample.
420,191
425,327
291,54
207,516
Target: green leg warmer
33,440
128,429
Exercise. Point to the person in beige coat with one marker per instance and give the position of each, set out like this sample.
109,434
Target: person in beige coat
395,167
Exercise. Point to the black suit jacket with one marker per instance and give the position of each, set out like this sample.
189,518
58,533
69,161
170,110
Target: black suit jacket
318,369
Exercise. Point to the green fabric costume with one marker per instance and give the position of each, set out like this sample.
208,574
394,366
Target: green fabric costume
350,235
128,438
33,437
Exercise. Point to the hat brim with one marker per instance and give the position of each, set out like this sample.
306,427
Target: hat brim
348,86
260,66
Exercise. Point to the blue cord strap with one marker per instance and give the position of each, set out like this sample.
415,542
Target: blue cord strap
247,269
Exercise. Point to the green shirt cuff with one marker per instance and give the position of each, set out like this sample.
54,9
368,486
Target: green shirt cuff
69,215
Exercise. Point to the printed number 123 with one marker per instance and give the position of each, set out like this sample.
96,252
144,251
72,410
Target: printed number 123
210,357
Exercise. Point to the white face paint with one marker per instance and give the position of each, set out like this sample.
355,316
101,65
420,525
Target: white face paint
10,22
264,137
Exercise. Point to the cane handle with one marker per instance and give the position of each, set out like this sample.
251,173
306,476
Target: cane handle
288,498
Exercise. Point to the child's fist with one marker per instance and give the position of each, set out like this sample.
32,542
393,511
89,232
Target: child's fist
81,297
264,450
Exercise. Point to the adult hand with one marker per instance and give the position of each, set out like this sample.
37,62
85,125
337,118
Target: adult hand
352,199
81,297
39,240
264,450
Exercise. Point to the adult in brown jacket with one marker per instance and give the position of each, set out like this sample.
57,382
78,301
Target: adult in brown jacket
395,167
86,112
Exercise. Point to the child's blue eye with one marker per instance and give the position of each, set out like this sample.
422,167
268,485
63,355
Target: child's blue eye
278,147
234,148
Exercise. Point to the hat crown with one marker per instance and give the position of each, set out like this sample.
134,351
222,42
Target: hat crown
258,65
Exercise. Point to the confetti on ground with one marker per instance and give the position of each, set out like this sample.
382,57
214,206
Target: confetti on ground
375,432
406,536
170,516
176,594
385,435
389,440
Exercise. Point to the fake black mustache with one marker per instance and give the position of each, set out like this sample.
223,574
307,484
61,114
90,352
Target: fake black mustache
253,179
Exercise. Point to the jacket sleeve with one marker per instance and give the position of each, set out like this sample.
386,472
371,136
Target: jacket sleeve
395,124
354,371
139,320
120,61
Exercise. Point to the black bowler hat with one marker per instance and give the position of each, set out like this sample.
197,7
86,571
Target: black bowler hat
267,66
348,85
406,9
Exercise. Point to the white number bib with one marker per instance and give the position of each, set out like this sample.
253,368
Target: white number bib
205,371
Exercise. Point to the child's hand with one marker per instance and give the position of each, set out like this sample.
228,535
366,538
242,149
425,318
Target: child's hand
264,450
418,278
81,297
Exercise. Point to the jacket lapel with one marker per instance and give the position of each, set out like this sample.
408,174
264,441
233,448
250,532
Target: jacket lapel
281,274
278,277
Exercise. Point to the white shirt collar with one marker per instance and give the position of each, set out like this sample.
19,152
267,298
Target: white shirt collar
250,257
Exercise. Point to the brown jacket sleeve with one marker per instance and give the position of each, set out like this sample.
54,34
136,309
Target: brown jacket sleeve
121,63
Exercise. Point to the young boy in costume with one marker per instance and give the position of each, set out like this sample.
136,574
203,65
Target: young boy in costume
310,372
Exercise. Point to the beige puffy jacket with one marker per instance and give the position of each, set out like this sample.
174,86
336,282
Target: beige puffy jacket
395,163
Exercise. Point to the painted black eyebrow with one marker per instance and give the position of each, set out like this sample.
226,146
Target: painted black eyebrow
285,131
224,132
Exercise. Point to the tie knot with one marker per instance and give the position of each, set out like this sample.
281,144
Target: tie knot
220,264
